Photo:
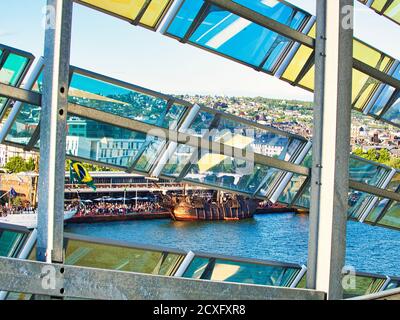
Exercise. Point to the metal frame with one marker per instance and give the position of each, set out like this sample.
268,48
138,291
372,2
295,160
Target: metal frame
331,148
53,133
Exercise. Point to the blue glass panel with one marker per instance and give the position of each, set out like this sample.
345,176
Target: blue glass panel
240,272
236,37
385,94
393,113
152,149
184,18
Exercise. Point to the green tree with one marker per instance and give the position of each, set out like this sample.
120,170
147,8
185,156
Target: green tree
18,164
384,156
372,154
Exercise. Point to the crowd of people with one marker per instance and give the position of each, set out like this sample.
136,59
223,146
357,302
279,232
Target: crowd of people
107,208
6,210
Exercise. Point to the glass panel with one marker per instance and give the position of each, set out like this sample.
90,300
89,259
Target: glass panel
226,172
178,161
393,284
363,171
242,272
389,8
377,210
103,142
11,242
104,256
11,73
364,285
391,217
226,33
153,148
304,200
358,201
131,8
12,69
90,92
292,188
27,119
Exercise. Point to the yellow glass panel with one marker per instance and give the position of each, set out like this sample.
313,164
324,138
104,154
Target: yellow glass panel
125,8
378,4
209,161
359,80
308,79
394,11
362,100
366,54
313,31
298,62
154,12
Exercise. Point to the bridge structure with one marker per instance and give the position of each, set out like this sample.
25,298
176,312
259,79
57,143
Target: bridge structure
65,111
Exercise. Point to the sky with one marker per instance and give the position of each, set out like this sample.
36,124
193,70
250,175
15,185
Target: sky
115,48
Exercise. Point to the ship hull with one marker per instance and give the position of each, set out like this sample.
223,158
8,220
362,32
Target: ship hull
230,211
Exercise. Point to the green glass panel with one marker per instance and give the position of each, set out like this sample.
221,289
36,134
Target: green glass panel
391,217
363,286
10,242
96,255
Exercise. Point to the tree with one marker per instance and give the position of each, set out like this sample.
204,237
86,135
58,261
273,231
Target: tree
384,156
18,164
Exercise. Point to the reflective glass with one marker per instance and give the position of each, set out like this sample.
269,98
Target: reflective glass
366,172
292,189
303,200
358,201
102,142
226,33
11,242
178,161
229,173
26,120
11,72
364,285
107,256
242,272
105,96
395,283
391,218
377,210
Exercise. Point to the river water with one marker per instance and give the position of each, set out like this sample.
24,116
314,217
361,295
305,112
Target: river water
279,237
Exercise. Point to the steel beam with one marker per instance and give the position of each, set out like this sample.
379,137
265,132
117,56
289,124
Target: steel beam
331,148
53,131
89,283
22,95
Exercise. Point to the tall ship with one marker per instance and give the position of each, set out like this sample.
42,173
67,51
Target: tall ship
220,207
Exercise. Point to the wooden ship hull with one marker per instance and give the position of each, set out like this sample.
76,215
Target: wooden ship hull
188,209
